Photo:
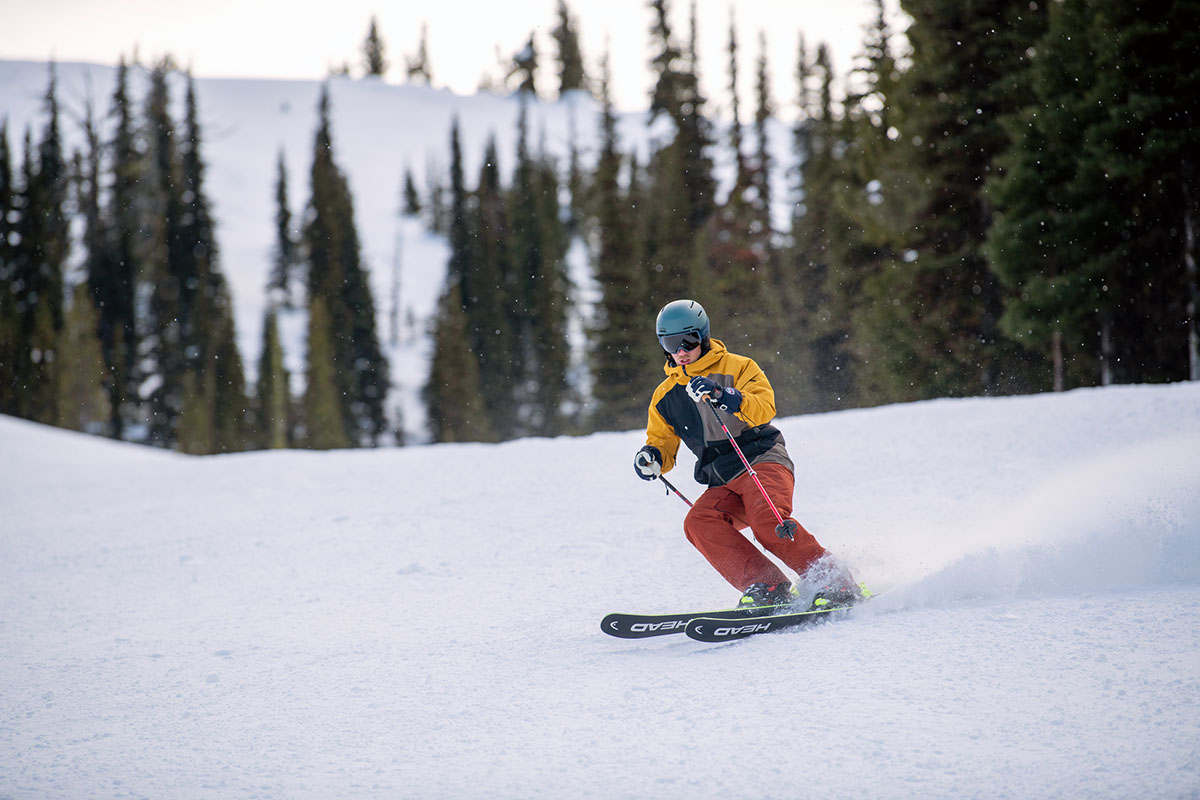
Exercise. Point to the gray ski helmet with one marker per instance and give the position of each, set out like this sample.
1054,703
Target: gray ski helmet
682,323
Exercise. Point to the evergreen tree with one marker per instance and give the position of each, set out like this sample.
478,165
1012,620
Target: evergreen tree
695,137
337,277
85,379
460,268
812,380
524,67
741,179
17,315
437,209
321,234
539,303
1046,226
468,283
1100,195
7,200
622,350
170,345
324,422
872,195
374,57
764,331
231,406
453,395
739,279
31,337
38,388
53,181
96,232
113,271
851,147
968,71
212,312
83,400
274,396
191,343
417,67
490,322
525,255
879,74
9,329
680,170
571,73
412,199
195,432
38,248
286,256
669,90
852,260
764,112
576,179
551,304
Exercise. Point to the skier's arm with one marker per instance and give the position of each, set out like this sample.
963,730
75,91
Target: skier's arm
758,398
661,435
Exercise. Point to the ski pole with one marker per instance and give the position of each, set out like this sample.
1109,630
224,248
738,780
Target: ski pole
784,530
678,493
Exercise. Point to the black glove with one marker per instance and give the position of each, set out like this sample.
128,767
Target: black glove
699,386
648,463
728,399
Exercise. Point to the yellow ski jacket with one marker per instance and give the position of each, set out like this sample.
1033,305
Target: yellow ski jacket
674,417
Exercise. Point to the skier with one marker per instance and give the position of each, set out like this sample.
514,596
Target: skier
701,371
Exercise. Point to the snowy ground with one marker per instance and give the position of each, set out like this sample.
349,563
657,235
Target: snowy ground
424,622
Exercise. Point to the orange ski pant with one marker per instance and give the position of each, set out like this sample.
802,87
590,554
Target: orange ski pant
715,522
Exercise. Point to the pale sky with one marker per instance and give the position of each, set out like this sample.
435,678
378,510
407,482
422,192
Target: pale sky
303,39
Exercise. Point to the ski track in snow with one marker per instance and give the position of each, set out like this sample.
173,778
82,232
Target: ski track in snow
382,623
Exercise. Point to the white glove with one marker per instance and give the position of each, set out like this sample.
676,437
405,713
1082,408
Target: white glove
647,465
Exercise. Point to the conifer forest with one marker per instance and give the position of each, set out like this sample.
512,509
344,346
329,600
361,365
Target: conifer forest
1000,197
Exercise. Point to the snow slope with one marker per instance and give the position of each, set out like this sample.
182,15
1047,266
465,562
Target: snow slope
423,622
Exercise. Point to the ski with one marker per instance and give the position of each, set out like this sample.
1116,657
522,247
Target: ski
642,626
726,629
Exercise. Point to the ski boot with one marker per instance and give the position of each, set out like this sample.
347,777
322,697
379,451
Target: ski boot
839,596
760,598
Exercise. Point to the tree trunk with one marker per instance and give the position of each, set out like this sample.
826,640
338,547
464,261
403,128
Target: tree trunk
1106,349
1056,345
1193,284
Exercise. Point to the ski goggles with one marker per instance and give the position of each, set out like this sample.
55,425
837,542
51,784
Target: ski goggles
674,342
